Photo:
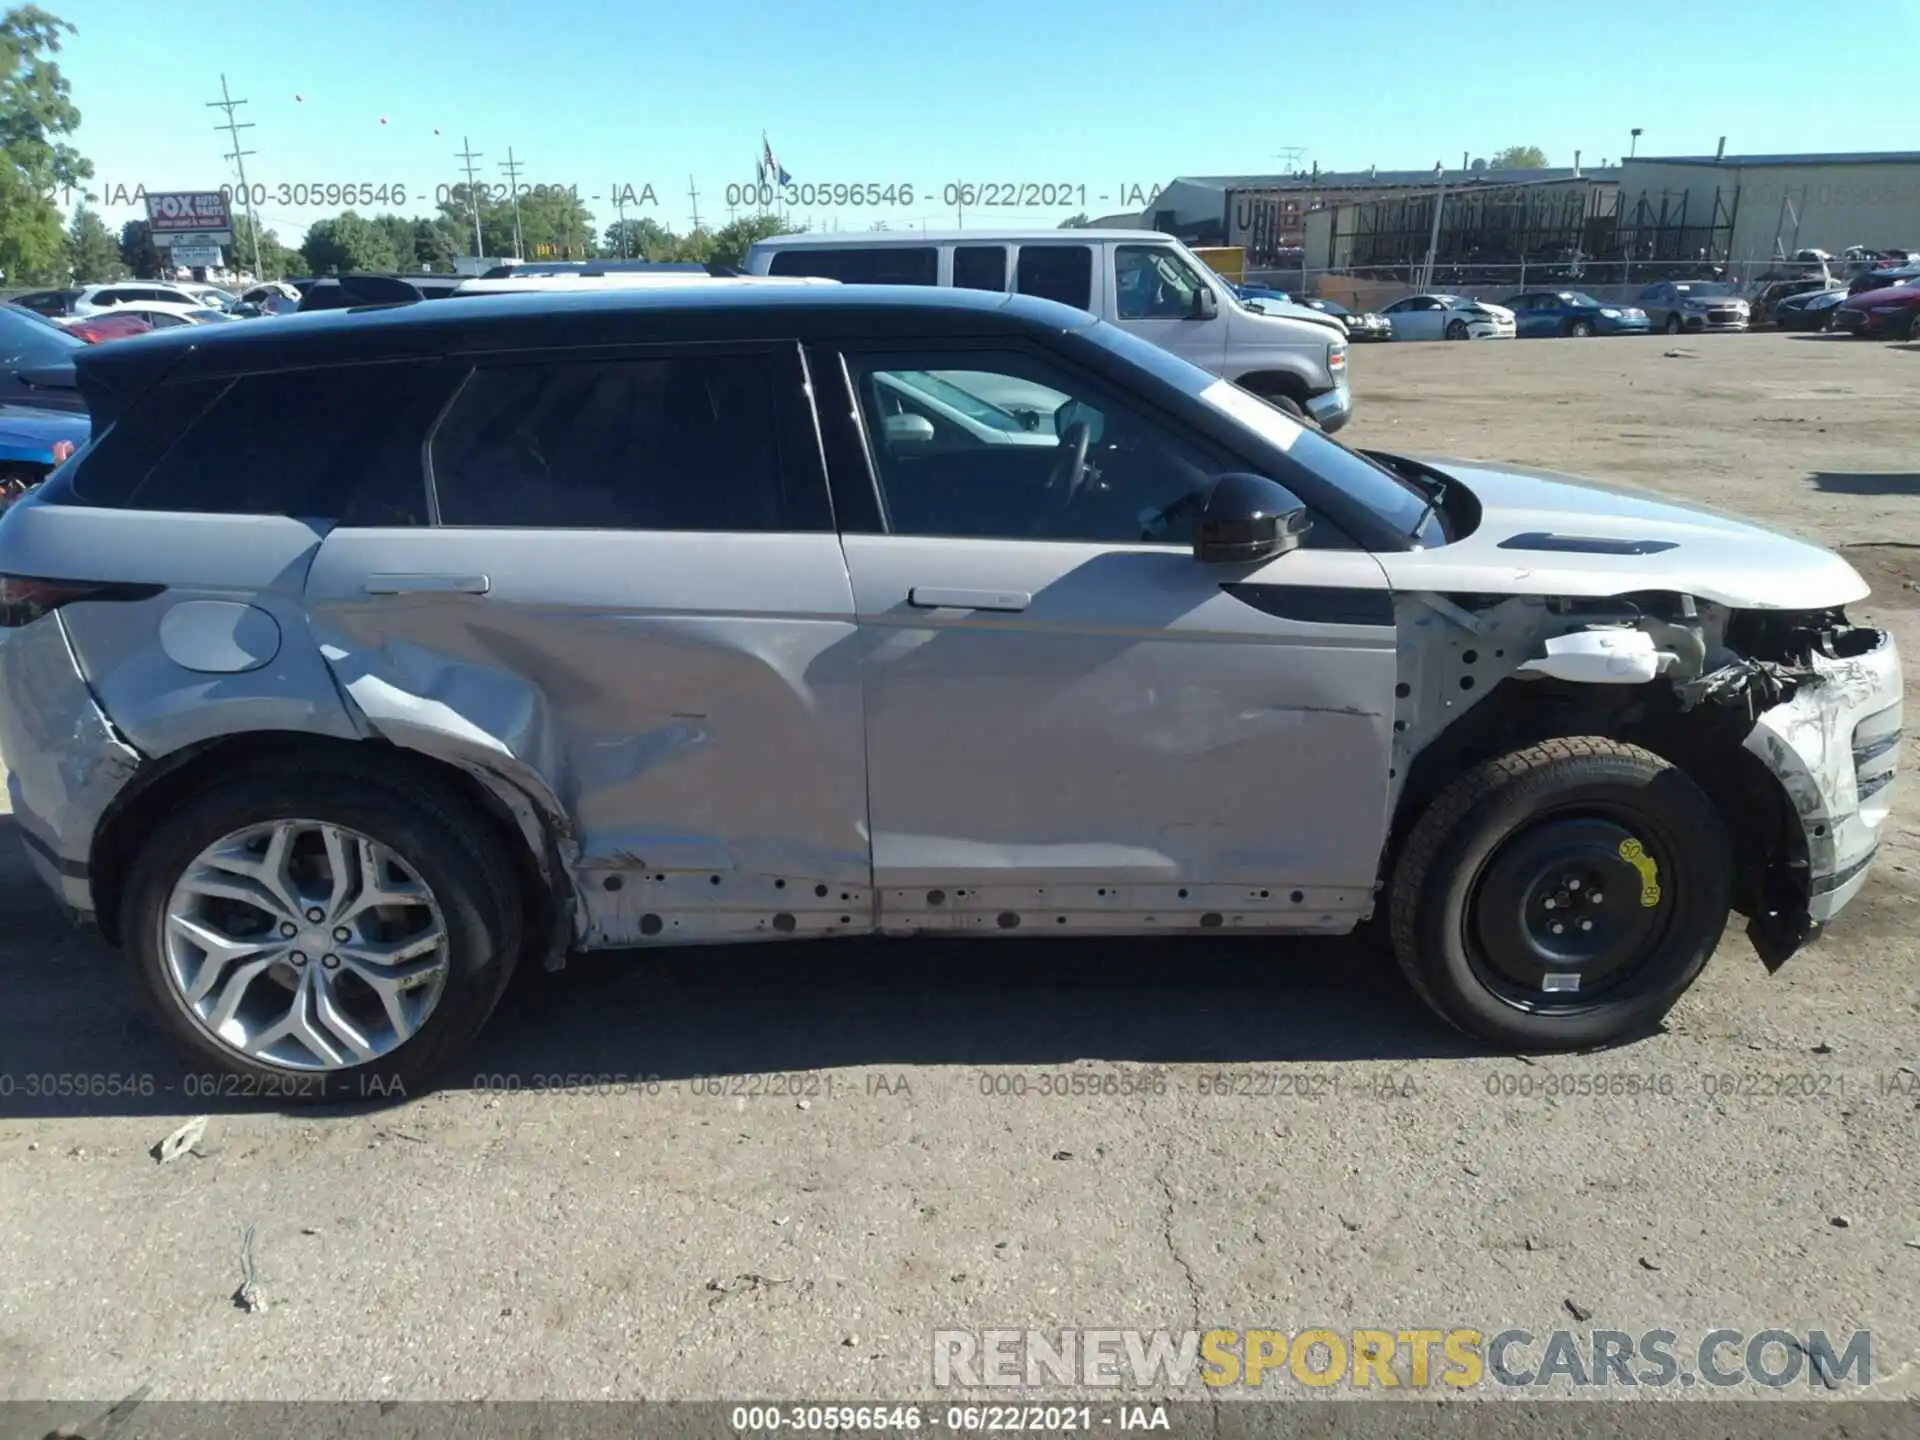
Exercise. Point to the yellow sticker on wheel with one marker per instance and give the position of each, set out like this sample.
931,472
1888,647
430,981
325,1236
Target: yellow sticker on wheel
1635,855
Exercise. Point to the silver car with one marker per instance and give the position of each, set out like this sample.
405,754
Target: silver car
353,663
1682,305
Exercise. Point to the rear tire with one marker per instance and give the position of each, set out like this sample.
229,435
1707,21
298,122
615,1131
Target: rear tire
1499,859
470,890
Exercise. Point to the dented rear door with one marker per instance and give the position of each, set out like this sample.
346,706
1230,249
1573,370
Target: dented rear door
631,608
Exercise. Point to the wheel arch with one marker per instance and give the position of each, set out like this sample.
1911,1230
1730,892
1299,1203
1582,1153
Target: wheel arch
165,784
1705,744
1292,384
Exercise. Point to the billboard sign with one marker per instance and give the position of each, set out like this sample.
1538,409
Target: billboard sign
196,217
207,256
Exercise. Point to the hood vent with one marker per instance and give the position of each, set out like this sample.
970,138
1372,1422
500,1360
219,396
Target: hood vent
1586,544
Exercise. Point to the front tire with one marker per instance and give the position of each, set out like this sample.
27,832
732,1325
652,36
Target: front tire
1291,406
1674,327
1580,329
1457,330
322,936
1563,896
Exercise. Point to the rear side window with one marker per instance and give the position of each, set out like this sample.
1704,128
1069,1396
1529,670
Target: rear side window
1057,272
332,444
880,265
980,267
688,443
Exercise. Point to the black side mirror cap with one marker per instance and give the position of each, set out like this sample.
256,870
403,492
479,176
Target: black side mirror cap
1248,518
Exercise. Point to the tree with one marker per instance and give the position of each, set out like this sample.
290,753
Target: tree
36,114
1076,222
276,260
137,250
92,252
636,240
731,242
347,243
1519,157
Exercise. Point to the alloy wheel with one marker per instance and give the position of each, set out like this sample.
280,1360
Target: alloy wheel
305,945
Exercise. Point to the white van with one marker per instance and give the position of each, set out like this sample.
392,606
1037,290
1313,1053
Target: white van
1140,280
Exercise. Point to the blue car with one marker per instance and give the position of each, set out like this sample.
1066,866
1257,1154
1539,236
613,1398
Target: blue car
1259,292
32,442
1569,312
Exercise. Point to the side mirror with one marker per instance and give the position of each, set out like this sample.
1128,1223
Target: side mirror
1205,304
1248,518
908,429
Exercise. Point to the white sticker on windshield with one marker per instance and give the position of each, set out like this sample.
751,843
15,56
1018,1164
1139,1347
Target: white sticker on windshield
1249,409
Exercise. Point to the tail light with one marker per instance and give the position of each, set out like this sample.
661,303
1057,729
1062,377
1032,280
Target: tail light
25,599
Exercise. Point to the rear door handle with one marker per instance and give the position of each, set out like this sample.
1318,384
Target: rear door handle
428,584
927,597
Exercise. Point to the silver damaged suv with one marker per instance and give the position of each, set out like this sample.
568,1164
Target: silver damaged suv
352,663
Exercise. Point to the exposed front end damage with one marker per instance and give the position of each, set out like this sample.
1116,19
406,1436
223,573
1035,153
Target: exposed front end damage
1790,720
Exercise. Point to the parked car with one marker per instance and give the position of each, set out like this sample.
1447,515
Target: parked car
90,299
316,698
1889,314
161,316
1144,282
1764,304
1696,305
105,325
32,442
36,361
1573,313
1258,292
1883,278
1449,317
1812,310
1361,324
51,303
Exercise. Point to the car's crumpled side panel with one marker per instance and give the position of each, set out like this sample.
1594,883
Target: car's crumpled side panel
677,715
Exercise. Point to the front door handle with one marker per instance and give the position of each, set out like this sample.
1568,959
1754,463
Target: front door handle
927,597
428,584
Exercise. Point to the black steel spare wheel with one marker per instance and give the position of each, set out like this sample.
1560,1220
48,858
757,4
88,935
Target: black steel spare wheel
1568,909
1562,896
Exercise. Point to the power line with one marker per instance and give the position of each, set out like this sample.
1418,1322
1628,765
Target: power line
227,103
466,153
511,166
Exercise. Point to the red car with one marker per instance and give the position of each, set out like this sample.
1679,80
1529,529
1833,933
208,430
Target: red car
95,328
1890,314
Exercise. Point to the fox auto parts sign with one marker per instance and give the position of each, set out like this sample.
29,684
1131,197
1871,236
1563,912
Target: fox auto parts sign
189,217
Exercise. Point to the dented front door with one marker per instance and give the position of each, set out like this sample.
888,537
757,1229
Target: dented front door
682,703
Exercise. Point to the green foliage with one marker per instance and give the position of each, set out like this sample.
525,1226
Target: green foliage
92,252
1077,222
37,113
730,243
637,240
1519,157
347,243
137,250
276,260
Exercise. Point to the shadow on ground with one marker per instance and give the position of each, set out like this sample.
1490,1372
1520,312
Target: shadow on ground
74,1021
1846,482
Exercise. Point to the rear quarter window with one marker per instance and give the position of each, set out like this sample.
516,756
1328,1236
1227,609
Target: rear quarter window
340,444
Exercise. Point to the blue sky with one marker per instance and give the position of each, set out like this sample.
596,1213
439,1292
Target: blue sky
1102,94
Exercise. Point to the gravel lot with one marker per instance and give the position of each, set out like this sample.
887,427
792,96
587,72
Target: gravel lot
479,1244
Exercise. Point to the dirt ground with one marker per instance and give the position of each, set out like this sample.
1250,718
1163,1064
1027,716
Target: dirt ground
503,1239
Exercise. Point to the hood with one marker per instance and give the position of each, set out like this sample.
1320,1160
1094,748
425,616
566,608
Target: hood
1907,294
1287,310
1711,302
29,434
1547,534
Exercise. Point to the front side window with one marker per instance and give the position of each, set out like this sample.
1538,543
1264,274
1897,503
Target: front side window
28,340
875,265
1062,273
683,443
1012,446
1153,283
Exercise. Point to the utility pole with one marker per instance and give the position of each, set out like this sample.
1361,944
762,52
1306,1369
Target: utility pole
466,153
1633,146
693,197
1433,238
227,103
620,204
1290,157
512,167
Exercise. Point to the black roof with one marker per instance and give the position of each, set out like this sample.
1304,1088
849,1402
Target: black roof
548,320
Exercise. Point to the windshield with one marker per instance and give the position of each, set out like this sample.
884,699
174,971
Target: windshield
1581,298
1400,504
28,340
1702,289
965,401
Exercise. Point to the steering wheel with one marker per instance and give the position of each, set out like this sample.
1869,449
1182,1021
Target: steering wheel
1063,482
